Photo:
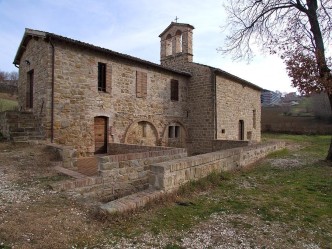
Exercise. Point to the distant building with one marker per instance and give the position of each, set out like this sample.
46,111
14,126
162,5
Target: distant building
269,98
290,97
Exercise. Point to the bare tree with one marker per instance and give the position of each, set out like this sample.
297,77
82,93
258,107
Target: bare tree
12,76
2,76
297,30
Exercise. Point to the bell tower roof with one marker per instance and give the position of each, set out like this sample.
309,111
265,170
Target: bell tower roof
178,25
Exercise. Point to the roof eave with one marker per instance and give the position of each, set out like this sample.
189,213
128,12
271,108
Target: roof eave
115,54
236,78
28,34
175,23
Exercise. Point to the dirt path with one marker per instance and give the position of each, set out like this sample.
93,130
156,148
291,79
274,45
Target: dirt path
31,214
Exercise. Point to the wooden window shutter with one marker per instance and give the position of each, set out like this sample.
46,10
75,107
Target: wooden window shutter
174,90
109,78
141,84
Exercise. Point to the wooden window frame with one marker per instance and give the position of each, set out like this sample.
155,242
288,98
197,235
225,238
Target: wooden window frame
102,68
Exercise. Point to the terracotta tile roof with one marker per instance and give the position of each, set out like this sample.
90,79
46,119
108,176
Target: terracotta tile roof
232,77
176,24
29,33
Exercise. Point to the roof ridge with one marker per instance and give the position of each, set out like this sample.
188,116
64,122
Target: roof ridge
46,34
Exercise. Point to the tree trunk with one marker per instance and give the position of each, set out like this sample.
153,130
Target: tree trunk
324,70
329,153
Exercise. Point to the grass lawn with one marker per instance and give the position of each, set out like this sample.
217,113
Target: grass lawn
283,201
7,105
292,188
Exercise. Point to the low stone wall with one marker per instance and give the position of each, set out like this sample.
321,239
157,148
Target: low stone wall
227,144
118,148
4,126
170,175
125,174
66,154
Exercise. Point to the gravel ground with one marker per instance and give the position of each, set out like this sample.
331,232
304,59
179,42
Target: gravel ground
223,231
20,164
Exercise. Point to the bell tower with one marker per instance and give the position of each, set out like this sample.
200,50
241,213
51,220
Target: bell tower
176,44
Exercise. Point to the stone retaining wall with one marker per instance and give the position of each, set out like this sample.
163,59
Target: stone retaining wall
129,173
171,175
4,130
227,144
66,154
119,148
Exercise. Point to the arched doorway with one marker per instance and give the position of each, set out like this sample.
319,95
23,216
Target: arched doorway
142,133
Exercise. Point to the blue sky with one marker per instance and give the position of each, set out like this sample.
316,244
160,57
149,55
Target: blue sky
133,27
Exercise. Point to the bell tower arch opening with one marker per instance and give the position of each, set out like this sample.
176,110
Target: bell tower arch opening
176,44
169,47
178,41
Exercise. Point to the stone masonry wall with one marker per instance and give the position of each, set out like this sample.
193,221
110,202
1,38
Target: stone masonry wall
201,105
38,53
200,91
170,175
4,128
129,173
118,148
237,102
78,101
227,144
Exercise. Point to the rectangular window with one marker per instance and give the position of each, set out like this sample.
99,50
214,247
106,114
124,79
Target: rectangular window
29,90
101,77
174,90
170,131
141,84
254,119
173,131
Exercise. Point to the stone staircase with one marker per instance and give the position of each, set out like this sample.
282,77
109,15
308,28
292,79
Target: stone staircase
20,126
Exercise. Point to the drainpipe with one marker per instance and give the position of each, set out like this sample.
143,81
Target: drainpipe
52,94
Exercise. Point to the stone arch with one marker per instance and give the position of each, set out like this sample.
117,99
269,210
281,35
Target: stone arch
142,132
178,41
169,45
175,134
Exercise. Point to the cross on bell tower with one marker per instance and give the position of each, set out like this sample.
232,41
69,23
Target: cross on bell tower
176,19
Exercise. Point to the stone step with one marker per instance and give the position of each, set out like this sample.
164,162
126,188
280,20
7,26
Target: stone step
25,133
131,202
26,138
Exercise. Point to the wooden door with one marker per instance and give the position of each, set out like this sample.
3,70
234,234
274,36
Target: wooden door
100,127
29,90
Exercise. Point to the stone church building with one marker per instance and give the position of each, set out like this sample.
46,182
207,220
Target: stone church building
89,97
